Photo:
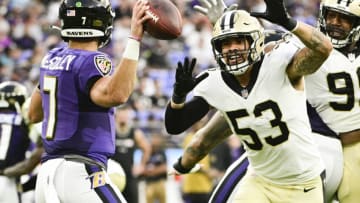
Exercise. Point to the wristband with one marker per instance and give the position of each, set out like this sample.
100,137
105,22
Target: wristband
177,166
291,25
135,38
132,49
177,99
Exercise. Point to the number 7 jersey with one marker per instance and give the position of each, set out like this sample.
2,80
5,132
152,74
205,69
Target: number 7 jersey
272,121
72,123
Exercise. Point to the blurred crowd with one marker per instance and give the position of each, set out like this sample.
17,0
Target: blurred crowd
28,30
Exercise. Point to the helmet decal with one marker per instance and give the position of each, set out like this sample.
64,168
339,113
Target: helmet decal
70,13
227,24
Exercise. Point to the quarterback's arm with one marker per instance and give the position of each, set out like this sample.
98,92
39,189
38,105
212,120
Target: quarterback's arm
115,89
308,59
177,120
205,139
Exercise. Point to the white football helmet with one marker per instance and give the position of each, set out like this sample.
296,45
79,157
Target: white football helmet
350,8
240,24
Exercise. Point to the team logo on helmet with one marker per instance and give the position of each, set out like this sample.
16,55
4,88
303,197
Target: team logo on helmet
103,64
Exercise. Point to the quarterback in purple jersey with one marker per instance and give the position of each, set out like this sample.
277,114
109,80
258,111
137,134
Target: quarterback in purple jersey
14,140
77,91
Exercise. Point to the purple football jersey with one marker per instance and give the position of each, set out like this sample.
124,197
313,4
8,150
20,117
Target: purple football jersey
72,123
14,140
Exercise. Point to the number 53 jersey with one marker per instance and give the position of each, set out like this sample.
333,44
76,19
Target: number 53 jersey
334,92
272,120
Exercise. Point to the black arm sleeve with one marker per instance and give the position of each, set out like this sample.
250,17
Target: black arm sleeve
90,83
179,120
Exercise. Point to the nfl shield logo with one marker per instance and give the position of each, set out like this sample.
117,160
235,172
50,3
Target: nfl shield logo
103,64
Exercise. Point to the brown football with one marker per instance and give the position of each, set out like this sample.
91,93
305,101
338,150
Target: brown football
166,22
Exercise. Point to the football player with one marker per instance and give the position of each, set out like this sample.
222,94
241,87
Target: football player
75,99
329,147
334,90
327,140
14,139
332,93
249,91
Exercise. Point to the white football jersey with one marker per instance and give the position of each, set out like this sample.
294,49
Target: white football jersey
272,121
334,92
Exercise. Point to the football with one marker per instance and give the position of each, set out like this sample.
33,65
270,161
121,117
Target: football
166,22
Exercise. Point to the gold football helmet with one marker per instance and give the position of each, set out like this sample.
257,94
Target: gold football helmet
240,24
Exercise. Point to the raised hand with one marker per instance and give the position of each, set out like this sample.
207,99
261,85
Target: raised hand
276,13
184,81
213,9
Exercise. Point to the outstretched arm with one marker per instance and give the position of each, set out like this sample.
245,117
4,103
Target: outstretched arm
179,120
310,58
204,140
180,115
317,49
116,89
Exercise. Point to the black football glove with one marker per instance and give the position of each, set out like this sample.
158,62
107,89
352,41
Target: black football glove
184,81
276,13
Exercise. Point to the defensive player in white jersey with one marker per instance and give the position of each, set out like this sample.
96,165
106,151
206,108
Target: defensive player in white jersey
225,191
334,89
262,98
327,140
